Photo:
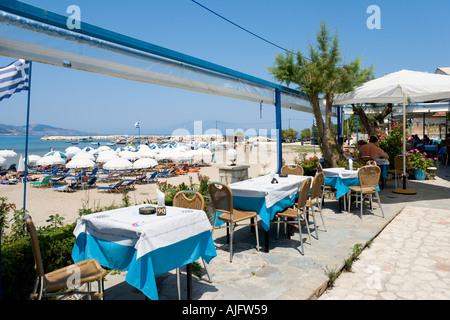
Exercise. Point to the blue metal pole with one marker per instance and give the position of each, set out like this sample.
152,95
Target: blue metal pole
338,114
26,143
278,125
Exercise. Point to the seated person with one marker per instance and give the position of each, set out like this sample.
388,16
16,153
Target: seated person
84,178
372,150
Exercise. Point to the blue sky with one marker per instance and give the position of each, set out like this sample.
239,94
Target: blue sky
414,35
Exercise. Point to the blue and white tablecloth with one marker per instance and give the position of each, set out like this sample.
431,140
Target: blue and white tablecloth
144,245
340,179
265,198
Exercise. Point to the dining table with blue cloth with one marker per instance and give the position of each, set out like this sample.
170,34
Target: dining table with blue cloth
265,198
384,166
144,245
341,179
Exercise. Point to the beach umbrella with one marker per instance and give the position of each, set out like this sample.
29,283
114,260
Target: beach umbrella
81,162
118,164
7,153
72,151
154,146
2,160
203,154
105,156
85,155
144,163
50,160
399,88
21,165
129,155
60,153
103,148
146,153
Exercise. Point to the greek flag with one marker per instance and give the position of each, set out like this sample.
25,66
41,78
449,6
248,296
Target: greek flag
14,78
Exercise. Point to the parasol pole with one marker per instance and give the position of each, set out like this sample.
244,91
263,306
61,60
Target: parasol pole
404,190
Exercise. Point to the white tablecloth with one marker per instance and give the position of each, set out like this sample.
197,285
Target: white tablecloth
340,172
382,162
272,192
146,233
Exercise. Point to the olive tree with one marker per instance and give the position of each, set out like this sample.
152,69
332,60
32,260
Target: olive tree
320,76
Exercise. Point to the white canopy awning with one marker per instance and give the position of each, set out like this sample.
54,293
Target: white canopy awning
26,36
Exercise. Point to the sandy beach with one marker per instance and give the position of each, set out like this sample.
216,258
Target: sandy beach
43,202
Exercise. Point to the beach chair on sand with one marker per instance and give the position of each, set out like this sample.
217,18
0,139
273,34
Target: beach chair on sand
163,174
152,177
112,187
45,182
66,188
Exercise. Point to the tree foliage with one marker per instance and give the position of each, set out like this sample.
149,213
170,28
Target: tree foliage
321,75
289,134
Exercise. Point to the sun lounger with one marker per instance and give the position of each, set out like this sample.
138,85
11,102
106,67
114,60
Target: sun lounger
152,177
112,187
66,188
163,174
43,183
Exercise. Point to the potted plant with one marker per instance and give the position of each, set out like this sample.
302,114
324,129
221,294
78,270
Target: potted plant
419,162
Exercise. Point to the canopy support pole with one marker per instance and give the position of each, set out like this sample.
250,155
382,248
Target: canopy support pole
278,126
404,190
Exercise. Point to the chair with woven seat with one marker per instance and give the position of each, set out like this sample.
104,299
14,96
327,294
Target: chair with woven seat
297,216
365,159
314,202
292,169
325,189
196,202
222,201
398,169
369,178
68,278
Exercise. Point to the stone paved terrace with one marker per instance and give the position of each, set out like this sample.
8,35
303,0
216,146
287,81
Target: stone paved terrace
409,252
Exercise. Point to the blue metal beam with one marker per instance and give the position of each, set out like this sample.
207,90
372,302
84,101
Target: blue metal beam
279,128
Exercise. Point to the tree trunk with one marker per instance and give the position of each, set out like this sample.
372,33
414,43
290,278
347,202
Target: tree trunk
372,127
331,150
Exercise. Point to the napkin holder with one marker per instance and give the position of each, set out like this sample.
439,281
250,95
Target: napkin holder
274,180
283,175
147,210
161,211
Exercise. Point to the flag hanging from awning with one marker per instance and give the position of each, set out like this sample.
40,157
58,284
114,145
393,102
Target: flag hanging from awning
14,78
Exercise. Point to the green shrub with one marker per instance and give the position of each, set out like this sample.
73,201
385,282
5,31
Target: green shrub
18,273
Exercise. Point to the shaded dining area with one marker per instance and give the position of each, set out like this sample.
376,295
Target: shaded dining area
283,272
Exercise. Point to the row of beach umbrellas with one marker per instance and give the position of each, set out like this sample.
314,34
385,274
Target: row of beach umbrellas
127,157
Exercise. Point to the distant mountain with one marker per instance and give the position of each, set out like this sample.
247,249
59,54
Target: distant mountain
40,130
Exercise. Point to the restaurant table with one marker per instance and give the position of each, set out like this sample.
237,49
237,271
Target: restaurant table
144,245
384,166
340,179
265,198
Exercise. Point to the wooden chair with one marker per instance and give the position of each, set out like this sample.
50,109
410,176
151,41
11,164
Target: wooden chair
196,202
68,278
398,169
314,203
364,159
296,216
325,189
292,169
369,178
222,200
